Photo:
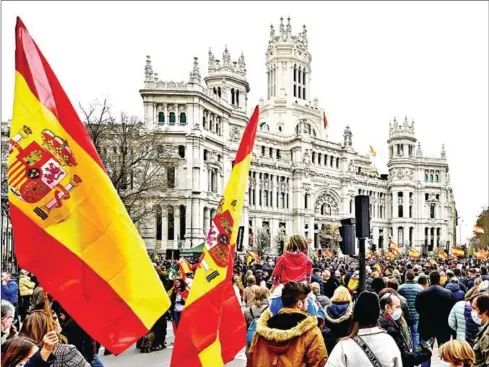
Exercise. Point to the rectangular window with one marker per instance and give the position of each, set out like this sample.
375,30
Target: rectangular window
262,151
282,200
170,177
400,211
278,153
259,197
410,211
287,201
432,211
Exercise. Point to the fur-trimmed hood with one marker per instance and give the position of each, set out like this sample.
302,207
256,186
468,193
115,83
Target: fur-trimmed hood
338,312
281,329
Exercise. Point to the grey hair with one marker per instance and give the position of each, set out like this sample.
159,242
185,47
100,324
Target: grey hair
7,308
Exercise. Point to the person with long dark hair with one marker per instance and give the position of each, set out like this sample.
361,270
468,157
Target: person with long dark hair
178,298
23,351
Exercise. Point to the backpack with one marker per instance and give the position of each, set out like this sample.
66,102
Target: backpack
252,328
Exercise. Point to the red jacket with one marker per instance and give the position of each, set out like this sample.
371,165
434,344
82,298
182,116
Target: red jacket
292,267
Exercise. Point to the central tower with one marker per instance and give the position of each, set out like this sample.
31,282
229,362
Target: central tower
288,64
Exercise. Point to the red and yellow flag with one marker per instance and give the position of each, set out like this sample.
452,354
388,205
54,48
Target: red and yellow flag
395,248
184,267
458,252
71,228
212,329
254,255
478,230
414,253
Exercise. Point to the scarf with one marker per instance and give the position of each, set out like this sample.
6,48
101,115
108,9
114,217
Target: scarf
404,329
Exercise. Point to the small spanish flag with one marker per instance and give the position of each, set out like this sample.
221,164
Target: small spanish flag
379,269
414,253
253,255
325,120
372,151
478,230
184,267
432,262
458,252
394,247
353,283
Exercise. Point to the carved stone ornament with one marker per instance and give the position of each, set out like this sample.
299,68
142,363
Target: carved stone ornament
306,158
252,182
327,199
171,108
172,85
351,167
170,151
410,174
284,65
234,134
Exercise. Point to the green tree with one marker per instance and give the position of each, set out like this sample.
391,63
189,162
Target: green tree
481,240
263,241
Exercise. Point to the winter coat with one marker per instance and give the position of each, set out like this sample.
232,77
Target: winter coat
348,353
292,266
330,286
291,338
481,347
455,289
456,320
249,295
394,330
10,292
37,298
471,328
26,287
410,290
68,355
317,279
253,313
338,319
433,305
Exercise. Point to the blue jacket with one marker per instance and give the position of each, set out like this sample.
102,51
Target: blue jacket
317,279
455,289
410,290
471,328
456,320
10,292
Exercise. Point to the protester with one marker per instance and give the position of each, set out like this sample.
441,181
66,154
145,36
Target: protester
291,337
26,287
316,290
260,304
178,298
433,306
366,344
23,352
40,323
316,277
456,353
453,286
410,290
331,284
8,314
293,265
249,291
338,317
472,328
392,321
480,310
10,289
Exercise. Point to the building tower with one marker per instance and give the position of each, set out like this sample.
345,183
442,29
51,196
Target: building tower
288,64
228,80
402,172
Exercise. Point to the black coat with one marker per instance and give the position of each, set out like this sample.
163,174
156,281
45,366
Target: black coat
394,330
433,305
317,279
330,286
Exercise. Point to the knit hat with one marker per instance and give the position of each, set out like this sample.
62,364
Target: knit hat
367,309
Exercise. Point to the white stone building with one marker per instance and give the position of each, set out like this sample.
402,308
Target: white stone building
299,180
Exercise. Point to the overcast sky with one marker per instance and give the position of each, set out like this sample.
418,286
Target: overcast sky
371,61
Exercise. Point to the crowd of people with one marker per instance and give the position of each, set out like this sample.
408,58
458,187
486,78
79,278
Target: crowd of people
299,312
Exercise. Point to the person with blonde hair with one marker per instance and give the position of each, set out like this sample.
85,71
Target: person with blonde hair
260,304
338,317
456,353
37,325
249,291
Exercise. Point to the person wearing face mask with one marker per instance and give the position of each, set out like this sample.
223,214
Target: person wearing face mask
480,314
392,320
291,337
456,353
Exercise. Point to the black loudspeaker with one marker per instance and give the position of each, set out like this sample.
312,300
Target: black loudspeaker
362,216
347,233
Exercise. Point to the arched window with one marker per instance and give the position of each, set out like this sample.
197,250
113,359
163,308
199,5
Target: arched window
303,93
337,162
264,127
331,160
219,91
304,78
171,224
295,73
431,177
204,122
158,223
432,211
426,175
305,201
232,96
410,211
161,117
325,209
237,97
183,118
437,176
172,118
205,155
214,90
400,211
299,77
181,151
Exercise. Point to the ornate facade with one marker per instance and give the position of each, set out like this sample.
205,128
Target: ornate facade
300,181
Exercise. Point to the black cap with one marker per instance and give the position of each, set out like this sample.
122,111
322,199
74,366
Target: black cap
367,309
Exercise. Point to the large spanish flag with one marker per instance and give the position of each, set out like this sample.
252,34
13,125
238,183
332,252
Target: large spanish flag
458,252
70,227
212,329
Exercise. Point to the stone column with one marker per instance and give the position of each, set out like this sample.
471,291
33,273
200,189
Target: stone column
188,224
164,228
176,230
195,220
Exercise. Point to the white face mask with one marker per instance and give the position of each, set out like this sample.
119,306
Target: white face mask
445,364
476,317
396,315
